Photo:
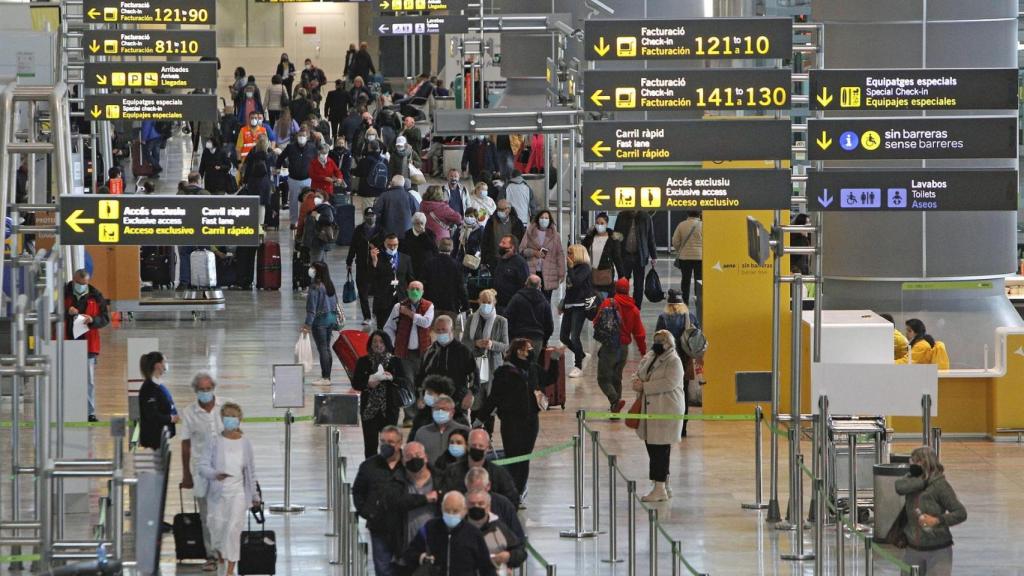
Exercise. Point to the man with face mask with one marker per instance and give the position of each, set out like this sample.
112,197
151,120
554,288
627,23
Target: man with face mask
408,327
200,423
450,544
297,157
396,207
434,436
412,497
85,313
509,272
412,134
420,244
392,273
506,549
359,252
403,156
458,196
480,479
503,223
370,495
249,134
445,281
313,79
449,357
476,457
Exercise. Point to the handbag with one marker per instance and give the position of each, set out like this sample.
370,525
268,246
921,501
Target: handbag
401,395
304,352
416,176
695,393
636,408
602,277
471,261
348,292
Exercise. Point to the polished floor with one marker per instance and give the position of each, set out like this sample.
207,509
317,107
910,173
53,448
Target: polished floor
712,469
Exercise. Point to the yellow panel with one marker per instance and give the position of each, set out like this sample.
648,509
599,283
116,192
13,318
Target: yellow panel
45,18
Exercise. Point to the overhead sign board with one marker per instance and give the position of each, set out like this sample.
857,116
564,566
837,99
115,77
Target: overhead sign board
912,138
160,75
159,220
938,89
150,42
410,25
912,190
686,140
399,6
701,38
686,190
202,12
675,90
163,107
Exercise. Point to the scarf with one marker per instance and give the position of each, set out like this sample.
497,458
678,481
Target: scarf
376,398
487,327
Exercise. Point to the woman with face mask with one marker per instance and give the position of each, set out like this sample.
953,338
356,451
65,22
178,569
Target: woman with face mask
156,405
378,376
605,248
487,337
458,444
229,466
215,168
321,318
659,382
479,199
543,251
286,70
930,509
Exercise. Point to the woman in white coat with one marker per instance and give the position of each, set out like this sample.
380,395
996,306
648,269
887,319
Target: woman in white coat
228,466
659,380
486,334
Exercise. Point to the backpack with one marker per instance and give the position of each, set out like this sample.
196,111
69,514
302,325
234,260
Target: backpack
693,341
608,328
326,231
379,175
165,129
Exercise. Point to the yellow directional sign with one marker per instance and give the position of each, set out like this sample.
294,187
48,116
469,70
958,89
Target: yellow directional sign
101,79
824,141
94,13
599,197
94,47
96,111
599,98
599,149
602,47
824,98
75,221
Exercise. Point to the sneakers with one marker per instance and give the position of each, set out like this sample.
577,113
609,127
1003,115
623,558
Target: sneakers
657,494
618,405
576,372
322,382
93,418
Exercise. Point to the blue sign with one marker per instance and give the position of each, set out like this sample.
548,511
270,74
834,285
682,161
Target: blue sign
897,198
849,141
860,198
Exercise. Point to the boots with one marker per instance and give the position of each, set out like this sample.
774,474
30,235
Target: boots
657,494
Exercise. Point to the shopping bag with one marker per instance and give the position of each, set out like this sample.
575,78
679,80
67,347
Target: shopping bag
304,352
416,176
348,292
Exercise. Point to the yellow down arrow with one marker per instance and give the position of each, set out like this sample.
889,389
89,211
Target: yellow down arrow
96,111
824,141
824,98
94,14
598,98
101,79
75,221
94,47
598,197
598,148
602,47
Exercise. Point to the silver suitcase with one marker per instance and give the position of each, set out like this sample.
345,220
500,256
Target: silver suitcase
204,269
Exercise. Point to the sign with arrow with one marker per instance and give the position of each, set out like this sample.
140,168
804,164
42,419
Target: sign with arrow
164,75
913,138
686,140
399,6
162,107
409,25
95,219
690,89
682,189
935,89
933,190
150,43
203,12
699,38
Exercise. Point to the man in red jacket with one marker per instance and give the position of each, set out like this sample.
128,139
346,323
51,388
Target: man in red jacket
611,356
86,307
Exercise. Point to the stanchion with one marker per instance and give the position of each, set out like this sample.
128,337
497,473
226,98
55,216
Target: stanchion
799,553
551,570
631,522
287,506
819,527
577,474
915,570
869,558
926,418
840,544
652,527
677,564
339,525
851,443
595,501
613,502
812,508
581,431
331,457
758,421
937,442
788,524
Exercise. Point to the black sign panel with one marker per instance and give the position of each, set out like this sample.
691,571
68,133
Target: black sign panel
939,89
912,190
399,6
701,38
718,89
164,107
159,220
687,190
410,25
150,43
685,140
202,12
912,138
166,75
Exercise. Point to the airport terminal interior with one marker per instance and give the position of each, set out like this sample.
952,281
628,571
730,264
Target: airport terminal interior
704,286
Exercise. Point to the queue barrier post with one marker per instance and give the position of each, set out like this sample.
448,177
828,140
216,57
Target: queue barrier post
915,570
758,504
937,442
613,528
577,473
287,506
595,502
652,526
339,519
331,457
631,522
677,564
869,558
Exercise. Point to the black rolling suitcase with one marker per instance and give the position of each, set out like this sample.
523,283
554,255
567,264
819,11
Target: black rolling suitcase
188,533
258,551
157,266
300,268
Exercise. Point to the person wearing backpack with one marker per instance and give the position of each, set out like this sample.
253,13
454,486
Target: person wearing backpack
372,170
319,230
678,320
616,325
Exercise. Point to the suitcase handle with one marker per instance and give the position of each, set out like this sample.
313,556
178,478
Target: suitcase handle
181,501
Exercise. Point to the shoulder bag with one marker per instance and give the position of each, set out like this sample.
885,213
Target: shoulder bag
636,408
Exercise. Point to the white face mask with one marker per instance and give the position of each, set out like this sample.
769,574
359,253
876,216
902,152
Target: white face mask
318,201
302,140
323,159
601,228
544,223
371,137
210,146
312,273
254,122
483,193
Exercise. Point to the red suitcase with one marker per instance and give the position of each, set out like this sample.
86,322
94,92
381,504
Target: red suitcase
139,166
349,347
268,266
553,363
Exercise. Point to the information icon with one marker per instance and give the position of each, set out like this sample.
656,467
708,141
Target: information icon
849,141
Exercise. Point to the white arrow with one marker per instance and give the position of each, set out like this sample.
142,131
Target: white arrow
1019,351
717,266
383,28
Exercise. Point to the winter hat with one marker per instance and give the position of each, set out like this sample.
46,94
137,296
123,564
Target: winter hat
622,286
675,297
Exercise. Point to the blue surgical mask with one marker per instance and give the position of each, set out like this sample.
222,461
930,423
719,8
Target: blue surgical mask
487,309
441,417
601,228
429,399
391,252
457,450
451,520
80,289
544,223
231,423
444,338
205,397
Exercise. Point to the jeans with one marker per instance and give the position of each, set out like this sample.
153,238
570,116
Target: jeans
569,334
611,361
381,555
932,562
294,187
659,458
363,288
322,337
90,391
636,270
151,153
691,269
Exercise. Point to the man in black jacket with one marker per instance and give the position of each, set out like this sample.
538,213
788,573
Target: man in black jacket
392,272
480,479
420,244
364,235
444,282
336,106
449,357
297,156
369,494
638,249
504,223
509,273
156,406
362,63
476,457
529,314
450,544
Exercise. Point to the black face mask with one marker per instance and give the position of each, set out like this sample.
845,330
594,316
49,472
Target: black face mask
916,470
414,465
476,454
658,348
386,451
476,513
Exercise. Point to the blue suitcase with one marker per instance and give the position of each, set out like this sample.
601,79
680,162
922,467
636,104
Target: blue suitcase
345,218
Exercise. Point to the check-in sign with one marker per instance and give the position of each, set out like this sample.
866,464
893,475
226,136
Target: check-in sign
691,39
202,12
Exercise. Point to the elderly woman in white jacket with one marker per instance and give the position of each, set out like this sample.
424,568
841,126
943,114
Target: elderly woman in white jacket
228,465
659,380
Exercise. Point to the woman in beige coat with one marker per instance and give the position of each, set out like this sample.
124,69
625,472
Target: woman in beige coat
659,379
543,251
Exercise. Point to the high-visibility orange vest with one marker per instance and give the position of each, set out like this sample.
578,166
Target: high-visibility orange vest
247,140
116,185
